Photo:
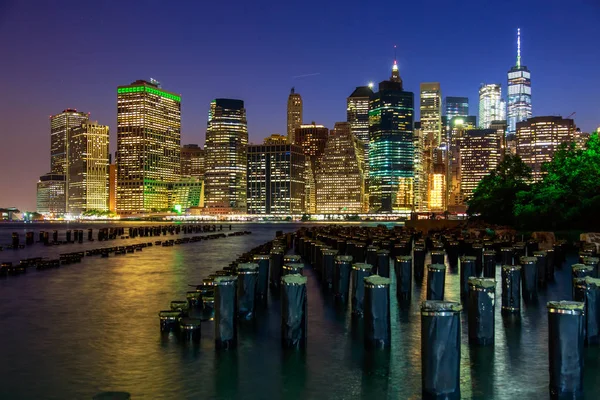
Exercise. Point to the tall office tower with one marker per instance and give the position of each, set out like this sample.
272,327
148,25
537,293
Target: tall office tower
226,147
491,105
519,91
112,188
431,110
479,155
312,138
420,186
276,178
51,194
457,107
148,154
391,148
294,114
87,174
60,130
357,114
538,139
340,177
192,161
454,197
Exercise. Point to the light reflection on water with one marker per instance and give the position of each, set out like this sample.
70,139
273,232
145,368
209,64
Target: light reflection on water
72,332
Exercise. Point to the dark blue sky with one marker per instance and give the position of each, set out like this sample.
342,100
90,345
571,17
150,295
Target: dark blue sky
60,54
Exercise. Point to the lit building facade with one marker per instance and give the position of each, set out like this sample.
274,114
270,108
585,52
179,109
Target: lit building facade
391,147
437,188
420,185
87,174
186,193
60,131
312,138
226,145
357,114
491,105
276,178
538,138
51,194
148,154
519,91
456,107
112,188
192,161
340,177
479,156
294,114
431,110
458,127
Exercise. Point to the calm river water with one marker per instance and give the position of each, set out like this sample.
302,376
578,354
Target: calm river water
72,332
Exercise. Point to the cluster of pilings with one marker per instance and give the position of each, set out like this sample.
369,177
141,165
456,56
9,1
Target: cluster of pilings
40,263
51,238
232,294
358,258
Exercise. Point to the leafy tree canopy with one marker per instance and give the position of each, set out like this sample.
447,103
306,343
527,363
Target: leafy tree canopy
494,198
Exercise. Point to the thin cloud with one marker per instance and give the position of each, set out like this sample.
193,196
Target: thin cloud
306,75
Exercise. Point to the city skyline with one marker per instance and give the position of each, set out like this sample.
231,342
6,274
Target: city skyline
32,94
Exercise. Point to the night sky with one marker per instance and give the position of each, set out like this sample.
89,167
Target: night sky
63,54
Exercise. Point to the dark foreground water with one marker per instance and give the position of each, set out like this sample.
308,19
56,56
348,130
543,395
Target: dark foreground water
84,328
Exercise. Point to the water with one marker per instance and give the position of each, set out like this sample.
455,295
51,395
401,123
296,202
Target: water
72,332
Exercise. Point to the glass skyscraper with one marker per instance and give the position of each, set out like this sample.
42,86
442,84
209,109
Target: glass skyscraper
276,178
491,105
148,146
456,107
357,113
391,147
519,91
431,111
225,149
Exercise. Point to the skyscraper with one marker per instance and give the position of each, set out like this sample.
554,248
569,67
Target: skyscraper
60,130
391,148
340,177
457,107
312,138
357,114
431,110
479,155
87,173
420,185
294,114
538,139
459,127
226,147
519,91
148,146
276,178
491,105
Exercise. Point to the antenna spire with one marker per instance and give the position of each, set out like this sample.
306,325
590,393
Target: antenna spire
519,48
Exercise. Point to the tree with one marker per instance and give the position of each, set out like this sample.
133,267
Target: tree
569,194
495,196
